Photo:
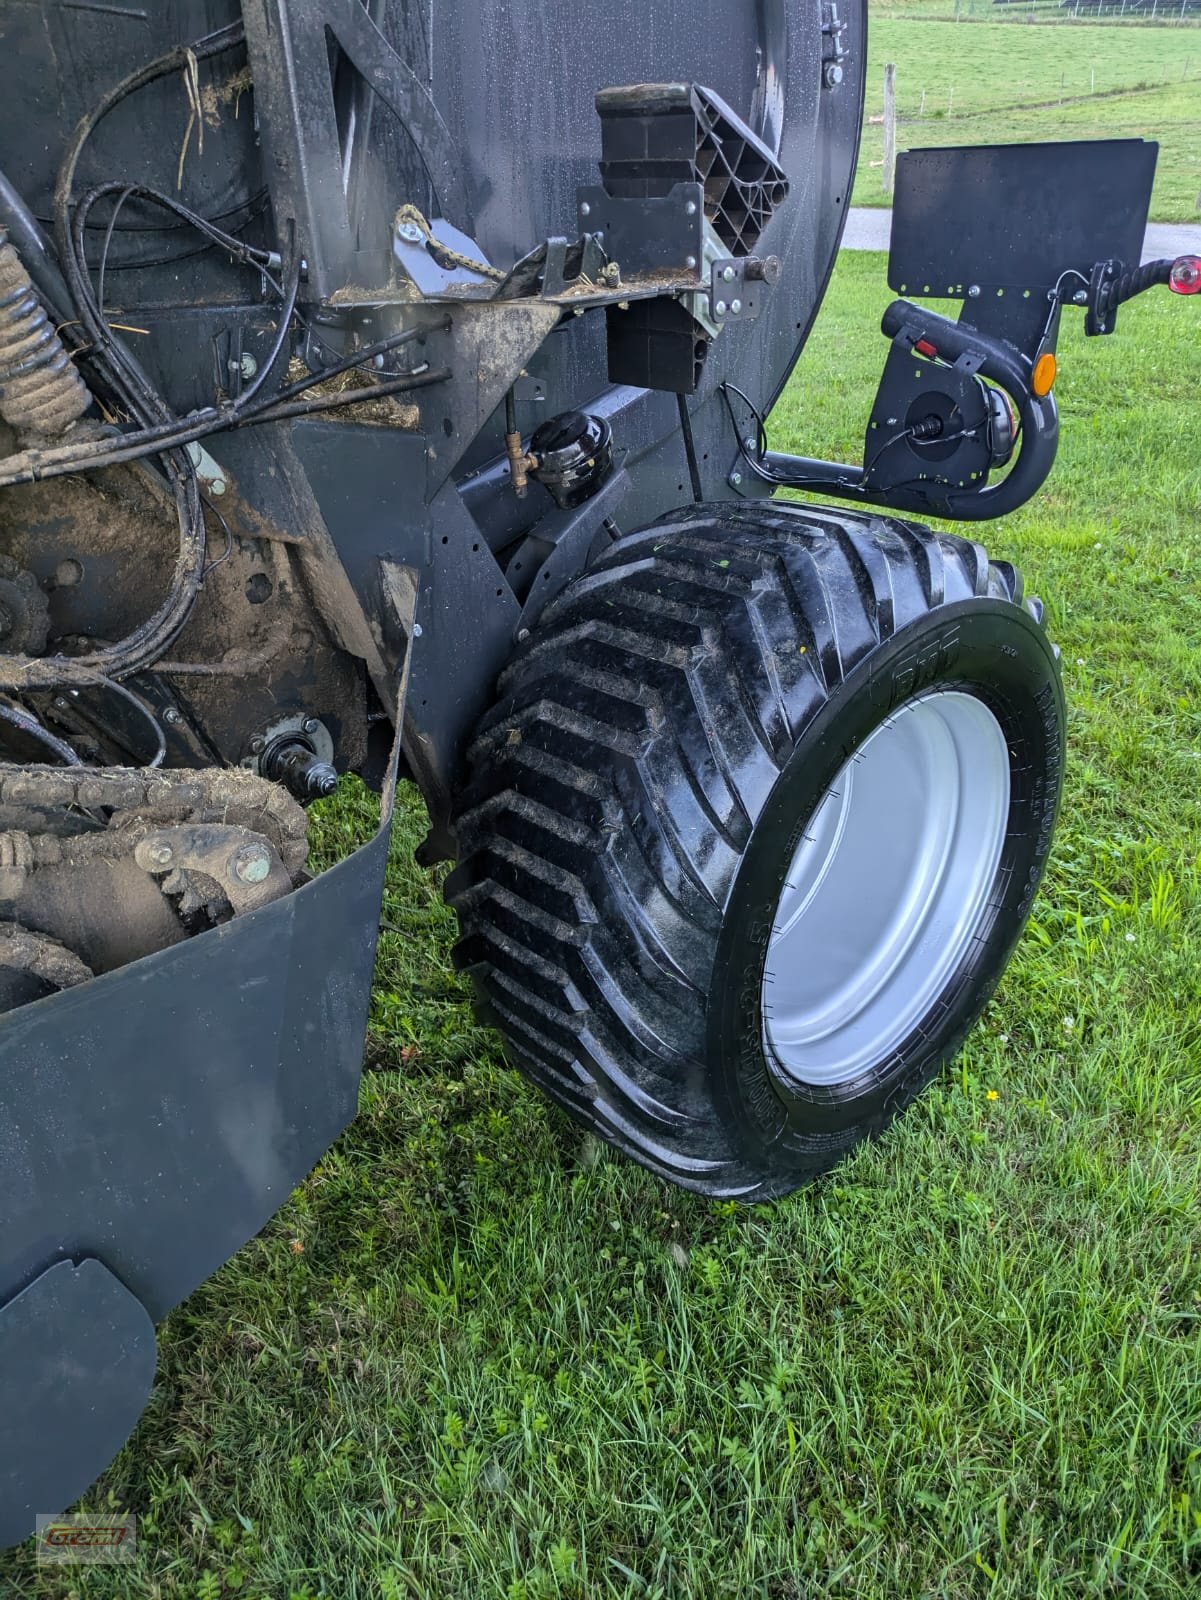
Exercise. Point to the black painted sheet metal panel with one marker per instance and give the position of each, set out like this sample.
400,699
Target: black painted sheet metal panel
1017,216
77,1358
156,1117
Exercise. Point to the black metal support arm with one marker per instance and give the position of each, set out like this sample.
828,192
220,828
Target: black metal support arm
991,358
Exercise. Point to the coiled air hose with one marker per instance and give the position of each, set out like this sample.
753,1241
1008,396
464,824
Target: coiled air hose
41,393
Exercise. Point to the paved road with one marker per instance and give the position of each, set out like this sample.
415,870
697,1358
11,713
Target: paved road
868,229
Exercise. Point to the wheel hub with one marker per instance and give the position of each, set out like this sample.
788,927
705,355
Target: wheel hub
887,889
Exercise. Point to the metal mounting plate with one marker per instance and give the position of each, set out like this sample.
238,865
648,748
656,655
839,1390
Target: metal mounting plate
654,234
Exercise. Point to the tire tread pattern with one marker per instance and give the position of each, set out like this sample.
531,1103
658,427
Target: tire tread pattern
615,783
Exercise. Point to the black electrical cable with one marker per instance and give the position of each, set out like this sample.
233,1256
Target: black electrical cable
86,678
229,539
238,248
260,259
783,480
29,724
161,433
253,208
122,375
359,358
114,361
140,705
108,239
118,450
348,397
259,198
283,332
694,475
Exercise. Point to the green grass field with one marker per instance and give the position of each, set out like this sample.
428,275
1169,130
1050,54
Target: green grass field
992,81
476,1356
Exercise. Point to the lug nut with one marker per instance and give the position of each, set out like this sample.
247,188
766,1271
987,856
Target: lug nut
252,863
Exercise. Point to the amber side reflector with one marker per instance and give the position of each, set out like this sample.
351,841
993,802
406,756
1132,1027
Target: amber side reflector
1045,369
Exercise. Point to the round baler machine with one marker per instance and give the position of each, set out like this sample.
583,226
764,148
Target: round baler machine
383,390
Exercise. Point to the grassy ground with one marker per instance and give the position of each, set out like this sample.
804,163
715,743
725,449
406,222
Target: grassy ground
990,81
477,1357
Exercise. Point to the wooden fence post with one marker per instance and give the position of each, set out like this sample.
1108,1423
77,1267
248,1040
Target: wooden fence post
890,126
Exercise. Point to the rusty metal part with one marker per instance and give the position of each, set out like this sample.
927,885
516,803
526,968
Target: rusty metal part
41,393
243,864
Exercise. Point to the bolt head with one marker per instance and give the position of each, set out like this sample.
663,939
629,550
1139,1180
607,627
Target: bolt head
161,854
690,209
248,365
690,263
409,232
720,308
217,486
256,746
973,291
522,635
735,479
728,274
833,74
171,715
311,725
735,306
585,209
252,863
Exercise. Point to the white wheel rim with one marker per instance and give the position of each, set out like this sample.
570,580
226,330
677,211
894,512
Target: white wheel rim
887,890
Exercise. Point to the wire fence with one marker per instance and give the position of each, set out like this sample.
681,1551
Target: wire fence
1166,13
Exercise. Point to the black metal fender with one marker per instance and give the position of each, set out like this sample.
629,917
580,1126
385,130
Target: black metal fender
151,1121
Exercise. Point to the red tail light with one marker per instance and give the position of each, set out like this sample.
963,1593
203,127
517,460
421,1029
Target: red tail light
1186,275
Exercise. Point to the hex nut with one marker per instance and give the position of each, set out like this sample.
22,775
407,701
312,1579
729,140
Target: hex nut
252,863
